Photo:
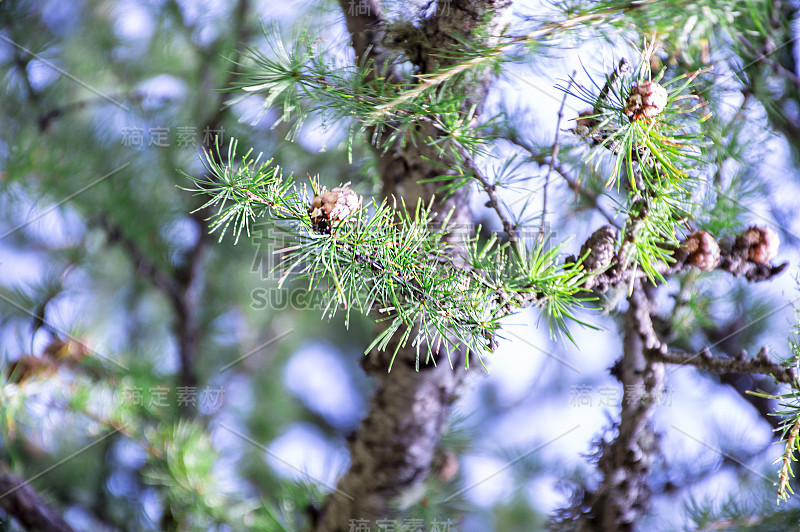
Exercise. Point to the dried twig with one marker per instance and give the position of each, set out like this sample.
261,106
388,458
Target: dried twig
704,359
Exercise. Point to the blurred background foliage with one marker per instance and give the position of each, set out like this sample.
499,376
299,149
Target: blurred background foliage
153,379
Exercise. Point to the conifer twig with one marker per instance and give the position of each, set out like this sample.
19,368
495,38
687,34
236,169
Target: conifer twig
785,473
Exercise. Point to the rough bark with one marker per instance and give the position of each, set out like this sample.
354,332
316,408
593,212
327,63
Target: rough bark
392,451
622,496
741,365
625,463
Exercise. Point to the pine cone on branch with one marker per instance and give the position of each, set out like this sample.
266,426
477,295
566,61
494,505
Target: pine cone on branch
601,247
646,100
761,244
702,250
751,254
330,207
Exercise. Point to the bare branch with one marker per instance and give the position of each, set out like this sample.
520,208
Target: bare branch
705,360
625,463
540,158
495,203
553,156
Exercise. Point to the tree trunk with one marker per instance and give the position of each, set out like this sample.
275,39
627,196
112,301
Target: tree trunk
391,453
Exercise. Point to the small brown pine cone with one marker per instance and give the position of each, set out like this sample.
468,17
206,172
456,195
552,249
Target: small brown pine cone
586,119
761,243
602,247
646,100
702,250
330,207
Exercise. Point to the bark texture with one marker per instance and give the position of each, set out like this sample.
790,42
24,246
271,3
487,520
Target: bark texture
625,463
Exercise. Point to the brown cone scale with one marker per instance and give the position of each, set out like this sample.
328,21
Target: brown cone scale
646,100
330,207
702,249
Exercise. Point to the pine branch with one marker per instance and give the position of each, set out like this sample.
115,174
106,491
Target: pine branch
430,292
431,81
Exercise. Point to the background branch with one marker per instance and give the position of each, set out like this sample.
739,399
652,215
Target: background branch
761,363
19,500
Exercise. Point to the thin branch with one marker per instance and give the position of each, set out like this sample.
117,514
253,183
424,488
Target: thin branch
766,59
161,279
589,195
705,360
46,119
494,202
187,307
553,157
